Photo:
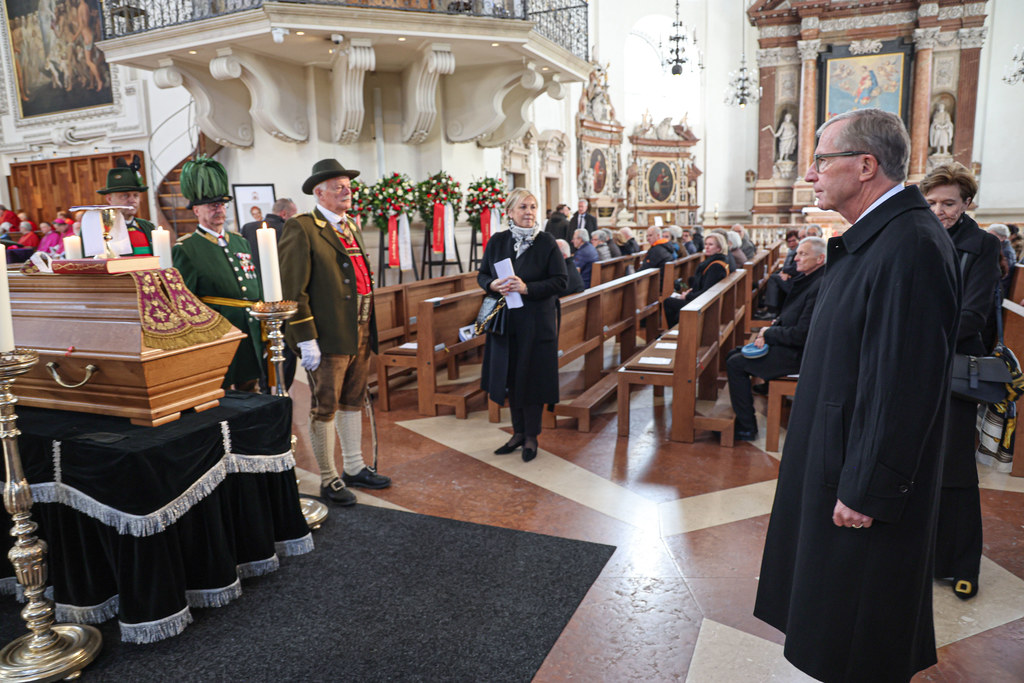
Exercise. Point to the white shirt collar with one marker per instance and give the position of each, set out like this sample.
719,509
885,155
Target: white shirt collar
334,218
898,187
211,231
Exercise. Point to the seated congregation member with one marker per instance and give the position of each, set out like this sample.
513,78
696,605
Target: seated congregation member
779,284
626,242
522,363
949,191
1006,250
29,239
51,242
714,269
575,282
585,255
558,225
597,240
672,245
658,251
739,257
745,244
785,338
613,248
813,230
217,267
689,246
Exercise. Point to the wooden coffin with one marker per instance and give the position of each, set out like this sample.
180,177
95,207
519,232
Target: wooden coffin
74,321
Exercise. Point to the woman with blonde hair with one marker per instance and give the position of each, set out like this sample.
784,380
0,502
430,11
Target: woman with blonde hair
521,361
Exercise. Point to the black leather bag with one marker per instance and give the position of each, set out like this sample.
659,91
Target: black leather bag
492,316
983,379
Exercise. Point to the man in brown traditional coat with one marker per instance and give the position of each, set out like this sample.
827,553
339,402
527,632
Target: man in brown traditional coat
325,269
847,567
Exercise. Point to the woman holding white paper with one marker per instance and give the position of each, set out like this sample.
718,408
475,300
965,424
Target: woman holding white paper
522,363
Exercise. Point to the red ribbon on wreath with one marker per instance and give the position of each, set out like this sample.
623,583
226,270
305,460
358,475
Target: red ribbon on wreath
393,259
438,244
485,227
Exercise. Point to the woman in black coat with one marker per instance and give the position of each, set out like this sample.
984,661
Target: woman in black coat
949,190
712,270
522,363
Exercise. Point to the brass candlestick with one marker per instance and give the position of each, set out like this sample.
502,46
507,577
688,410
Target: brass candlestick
274,313
51,651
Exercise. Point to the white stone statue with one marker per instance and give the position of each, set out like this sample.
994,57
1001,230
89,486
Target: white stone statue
665,129
786,135
940,135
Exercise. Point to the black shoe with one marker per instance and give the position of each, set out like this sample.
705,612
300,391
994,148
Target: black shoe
743,435
510,445
760,389
335,492
529,454
367,479
964,589
765,315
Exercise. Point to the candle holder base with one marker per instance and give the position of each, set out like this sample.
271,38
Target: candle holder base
274,313
75,646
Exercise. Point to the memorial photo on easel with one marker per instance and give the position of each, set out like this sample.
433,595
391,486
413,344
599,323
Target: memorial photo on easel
252,202
57,66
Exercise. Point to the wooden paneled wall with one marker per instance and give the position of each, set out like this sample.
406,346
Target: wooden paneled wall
42,188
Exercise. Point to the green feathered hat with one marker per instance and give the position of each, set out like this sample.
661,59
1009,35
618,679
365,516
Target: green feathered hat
204,181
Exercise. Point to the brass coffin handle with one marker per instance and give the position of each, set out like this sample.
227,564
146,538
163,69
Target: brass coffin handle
52,368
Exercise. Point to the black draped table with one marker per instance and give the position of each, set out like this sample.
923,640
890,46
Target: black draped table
144,523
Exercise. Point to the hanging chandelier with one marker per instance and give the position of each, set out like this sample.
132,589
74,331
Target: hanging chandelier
743,88
1015,69
677,58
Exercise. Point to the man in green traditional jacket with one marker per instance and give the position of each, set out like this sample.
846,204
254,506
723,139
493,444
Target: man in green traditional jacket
125,188
324,269
217,266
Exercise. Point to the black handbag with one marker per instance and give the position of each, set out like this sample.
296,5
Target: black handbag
491,316
983,379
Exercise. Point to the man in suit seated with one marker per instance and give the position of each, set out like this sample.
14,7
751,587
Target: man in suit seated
785,338
585,254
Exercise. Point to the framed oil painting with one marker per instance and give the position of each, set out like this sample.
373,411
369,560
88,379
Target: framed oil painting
879,80
599,166
252,202
660,181
57,66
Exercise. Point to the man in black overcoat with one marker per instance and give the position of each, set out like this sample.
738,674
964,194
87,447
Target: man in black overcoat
785,338
847,566
558,225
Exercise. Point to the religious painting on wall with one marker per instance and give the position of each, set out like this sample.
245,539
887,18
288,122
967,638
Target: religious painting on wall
599,167
660,181
876,80
57,66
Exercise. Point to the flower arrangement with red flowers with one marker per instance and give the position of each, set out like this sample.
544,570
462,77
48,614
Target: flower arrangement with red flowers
483,195
360,201
392,195
439,187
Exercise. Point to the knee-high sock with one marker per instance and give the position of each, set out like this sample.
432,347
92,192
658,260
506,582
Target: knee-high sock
350,431
322,439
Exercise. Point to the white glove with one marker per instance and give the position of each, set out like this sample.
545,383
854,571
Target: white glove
310,352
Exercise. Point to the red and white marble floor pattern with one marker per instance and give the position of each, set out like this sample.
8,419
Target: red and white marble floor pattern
674,602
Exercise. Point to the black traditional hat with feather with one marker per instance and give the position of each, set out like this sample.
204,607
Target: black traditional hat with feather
204,181
124,177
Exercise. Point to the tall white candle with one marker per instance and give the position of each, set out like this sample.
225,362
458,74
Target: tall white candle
72,247
6,323
162,246
270,268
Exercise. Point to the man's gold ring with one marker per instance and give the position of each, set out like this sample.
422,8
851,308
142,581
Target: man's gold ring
857,526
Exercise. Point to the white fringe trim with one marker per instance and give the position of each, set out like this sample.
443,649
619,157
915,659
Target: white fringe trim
10,586
152,631
226,434
214,597
96,614
295,546
158,520
56,462
258,568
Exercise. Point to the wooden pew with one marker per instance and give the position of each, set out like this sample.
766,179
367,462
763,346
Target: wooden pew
1013,337
758,270
438,344
1017,286
609,269
708,327
671,271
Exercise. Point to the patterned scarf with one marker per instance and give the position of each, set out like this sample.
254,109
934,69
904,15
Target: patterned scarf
523,237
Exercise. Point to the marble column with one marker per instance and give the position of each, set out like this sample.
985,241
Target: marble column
971,42
766,116
808,103
920,106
